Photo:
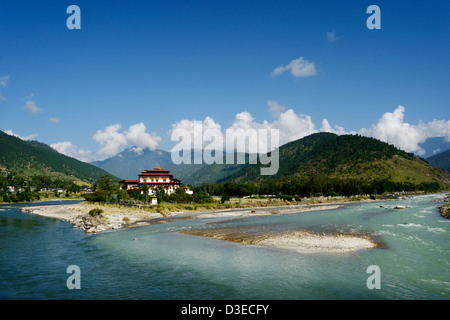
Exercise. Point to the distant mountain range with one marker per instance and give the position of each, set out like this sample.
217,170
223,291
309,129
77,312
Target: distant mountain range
129,163
441,160
434,146
30,158
345,156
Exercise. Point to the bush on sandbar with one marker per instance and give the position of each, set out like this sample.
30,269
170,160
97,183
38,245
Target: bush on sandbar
96,213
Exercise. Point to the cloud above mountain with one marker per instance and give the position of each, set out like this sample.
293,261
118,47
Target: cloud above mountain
112,141
392,129
291,125
71,150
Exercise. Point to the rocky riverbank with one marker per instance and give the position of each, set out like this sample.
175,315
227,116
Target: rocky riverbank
111,218
444,210
95,218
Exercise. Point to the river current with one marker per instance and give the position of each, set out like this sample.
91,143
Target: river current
164,264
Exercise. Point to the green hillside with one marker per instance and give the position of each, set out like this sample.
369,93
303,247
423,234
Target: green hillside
344,157
349,157
441,160
31,158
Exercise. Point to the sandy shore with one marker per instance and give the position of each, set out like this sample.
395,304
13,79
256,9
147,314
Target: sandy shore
139,217
264,211
301,241
113,217
305,242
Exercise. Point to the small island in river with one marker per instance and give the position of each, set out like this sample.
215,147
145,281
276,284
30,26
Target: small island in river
96,218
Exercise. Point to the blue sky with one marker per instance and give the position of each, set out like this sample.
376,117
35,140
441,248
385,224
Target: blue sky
139,68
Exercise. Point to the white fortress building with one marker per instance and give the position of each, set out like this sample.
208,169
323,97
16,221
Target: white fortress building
158,177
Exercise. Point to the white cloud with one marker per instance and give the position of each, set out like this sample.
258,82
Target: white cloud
293,126
436,128
390,128
326,127
196,131
331,37
244,120
275,109
298,68
137,135
31,107
66,148
208,123
113,141
71,150
54,120
30,137
4,80
290,125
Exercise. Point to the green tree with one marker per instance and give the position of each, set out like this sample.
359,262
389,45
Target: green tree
225,197
159,192
108,185
145,188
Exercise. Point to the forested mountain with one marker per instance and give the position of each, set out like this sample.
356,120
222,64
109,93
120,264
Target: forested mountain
33,158
330,165
347,157
129,163
441,160
325,154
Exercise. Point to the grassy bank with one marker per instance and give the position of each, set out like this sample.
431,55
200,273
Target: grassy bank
166,208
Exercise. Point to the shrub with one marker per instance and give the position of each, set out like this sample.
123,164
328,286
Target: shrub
96,212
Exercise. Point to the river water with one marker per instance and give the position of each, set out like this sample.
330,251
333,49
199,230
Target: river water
414,262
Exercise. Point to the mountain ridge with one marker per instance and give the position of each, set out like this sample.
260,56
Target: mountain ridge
441,160
30,158
348,157
337,156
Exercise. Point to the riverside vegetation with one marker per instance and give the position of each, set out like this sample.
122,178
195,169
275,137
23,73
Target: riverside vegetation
228,195
319,165
16,188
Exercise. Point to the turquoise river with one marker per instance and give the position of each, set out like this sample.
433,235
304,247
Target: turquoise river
414,262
